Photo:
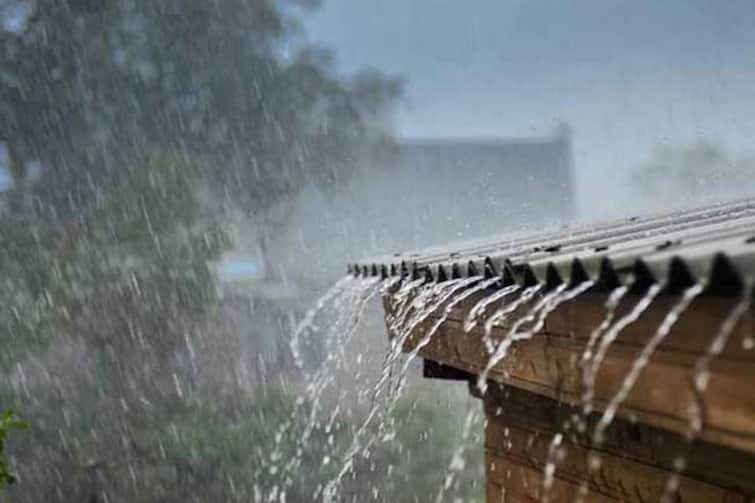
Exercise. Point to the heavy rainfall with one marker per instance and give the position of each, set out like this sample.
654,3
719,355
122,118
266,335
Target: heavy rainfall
188,189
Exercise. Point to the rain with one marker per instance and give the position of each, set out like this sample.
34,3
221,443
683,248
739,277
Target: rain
285,251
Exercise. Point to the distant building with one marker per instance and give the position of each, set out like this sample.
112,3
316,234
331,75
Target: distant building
466,188
527,179
431,191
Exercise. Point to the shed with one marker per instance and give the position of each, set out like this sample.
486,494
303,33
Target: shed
620,364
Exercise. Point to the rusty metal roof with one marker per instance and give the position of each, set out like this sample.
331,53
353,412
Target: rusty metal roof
715,244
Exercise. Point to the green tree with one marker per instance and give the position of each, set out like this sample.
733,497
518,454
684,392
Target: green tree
83,84
102,311
131,125
8,422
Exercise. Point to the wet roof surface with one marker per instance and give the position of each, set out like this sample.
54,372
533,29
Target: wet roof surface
715,244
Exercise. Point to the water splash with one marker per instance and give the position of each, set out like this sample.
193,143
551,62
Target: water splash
325,374
598,436
462,291
479,309
427,337
610,335
438,296
555,452
430,298
643,358
606,333
457,463
700,373
348,299
426,302
483,285
340,333
307,323
700,378
612,303
402,302
538,314
500,315
558,299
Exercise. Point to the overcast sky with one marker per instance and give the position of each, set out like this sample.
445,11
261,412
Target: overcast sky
626,76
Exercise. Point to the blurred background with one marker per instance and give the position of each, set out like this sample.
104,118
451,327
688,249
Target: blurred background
181,180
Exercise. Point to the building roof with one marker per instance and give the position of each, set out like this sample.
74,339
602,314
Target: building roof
472,181
715,244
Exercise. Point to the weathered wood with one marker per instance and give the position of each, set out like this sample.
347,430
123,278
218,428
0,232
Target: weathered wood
711,463
692,333
539,387
636,460
549,364
522,482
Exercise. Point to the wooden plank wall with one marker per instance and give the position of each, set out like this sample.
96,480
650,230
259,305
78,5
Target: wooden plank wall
549,363
543,382
636,460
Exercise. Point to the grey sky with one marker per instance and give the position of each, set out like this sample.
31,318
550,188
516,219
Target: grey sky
626,75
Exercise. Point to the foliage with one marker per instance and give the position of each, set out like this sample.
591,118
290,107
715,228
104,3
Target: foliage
137,255
101,312
84,83
220,448
129,123
410,466
8,422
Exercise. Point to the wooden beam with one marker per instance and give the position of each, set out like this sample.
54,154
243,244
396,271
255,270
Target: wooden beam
636,460
549,364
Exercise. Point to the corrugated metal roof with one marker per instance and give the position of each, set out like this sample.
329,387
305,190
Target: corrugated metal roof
715,244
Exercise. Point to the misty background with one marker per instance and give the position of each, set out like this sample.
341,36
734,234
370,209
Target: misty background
658,98
182,180
627,76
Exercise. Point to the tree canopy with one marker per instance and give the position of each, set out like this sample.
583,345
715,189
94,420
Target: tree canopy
84,84
129,124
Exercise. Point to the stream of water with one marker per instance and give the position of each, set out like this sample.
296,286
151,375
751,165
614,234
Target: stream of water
416,312
605,339
700,379
643,358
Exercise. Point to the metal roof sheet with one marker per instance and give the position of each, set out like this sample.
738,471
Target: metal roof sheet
715,244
